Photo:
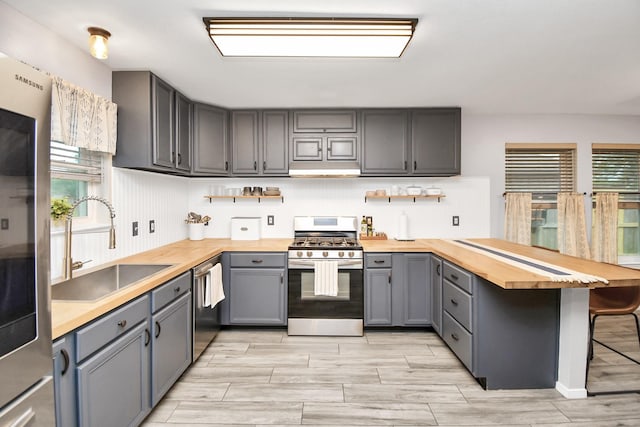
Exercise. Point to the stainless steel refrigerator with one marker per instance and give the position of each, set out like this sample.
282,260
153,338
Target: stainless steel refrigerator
26,385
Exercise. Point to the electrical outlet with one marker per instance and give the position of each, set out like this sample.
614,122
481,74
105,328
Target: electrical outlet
152,226
134,228
4,223
270,220
455,220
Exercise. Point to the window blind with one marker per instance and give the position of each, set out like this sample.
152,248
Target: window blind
616,170
540,169
75,163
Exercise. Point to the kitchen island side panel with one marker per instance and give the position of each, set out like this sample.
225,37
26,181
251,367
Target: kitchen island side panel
516,336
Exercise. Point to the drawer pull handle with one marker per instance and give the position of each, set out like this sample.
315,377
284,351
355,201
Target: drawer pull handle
454,302
158,329
256,261
65,356
122,323
177,289
455,337
389,277
379,261
438,269
147,337
454,277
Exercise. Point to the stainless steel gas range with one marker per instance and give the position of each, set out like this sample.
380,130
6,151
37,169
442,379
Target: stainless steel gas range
325,277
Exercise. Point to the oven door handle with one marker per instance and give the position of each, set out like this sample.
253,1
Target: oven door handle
312,263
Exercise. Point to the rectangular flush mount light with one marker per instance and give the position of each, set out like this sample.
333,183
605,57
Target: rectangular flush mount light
311,37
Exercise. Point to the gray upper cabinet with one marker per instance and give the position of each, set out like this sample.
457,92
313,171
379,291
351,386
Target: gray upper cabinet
385,142
260,142
435,141
323,121
154,124
244,142
210,152
184,110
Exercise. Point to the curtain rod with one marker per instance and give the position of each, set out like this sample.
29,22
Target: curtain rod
544,192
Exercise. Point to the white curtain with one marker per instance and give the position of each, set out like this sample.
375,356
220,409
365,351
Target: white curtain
572,230
604,239
517,218
82,119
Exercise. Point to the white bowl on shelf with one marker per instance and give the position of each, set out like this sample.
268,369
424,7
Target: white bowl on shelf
414,191
433,191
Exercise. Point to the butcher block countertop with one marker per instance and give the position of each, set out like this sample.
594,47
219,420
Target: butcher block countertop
185,254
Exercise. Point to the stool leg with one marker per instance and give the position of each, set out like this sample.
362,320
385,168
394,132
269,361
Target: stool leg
637,326
592,329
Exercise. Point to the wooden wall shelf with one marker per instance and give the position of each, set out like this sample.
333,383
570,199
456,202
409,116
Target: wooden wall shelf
281,198
389,198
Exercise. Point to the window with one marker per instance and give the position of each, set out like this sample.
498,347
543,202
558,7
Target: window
616,168
75,173
543,170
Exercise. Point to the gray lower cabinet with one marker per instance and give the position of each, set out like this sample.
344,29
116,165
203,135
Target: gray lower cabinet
435,141
412,289
64,381
397,289
172,329
210,141
385,142
436,294
113,384
260,142
113,370
256,289
507,338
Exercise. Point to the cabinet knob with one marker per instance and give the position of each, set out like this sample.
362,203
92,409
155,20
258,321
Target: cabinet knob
176,289
158,329
455,337
65,356
454,277
122,323
454,302
325,254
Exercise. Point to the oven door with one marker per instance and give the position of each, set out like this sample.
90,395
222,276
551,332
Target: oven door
303,303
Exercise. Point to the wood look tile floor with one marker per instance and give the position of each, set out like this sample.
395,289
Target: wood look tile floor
396,378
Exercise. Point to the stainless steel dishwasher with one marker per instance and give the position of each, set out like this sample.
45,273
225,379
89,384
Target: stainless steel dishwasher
206,320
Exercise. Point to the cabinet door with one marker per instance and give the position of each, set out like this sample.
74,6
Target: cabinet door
385,142
435,141
342,148
183,133
64,381
275,142
315,121
162,122
436,294
244,142
417,292
210,156
377,297
172,345
113,385
257,296
307,147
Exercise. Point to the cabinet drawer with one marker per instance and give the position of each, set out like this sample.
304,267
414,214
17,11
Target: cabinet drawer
458,339
258,259
170,291
458,303
324,121
378,261
458,276
101,332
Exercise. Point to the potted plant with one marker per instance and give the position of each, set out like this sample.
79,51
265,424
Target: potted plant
60,208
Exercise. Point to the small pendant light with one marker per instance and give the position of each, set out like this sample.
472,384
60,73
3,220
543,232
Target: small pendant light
98,42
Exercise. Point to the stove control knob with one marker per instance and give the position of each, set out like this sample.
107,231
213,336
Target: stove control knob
340,254
325,254
309,254
299,254
351,254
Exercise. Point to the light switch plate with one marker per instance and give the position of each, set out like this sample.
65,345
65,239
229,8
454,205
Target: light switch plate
152,226
270,220
455,221
134,228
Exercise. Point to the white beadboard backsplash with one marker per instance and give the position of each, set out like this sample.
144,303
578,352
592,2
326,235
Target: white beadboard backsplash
143,196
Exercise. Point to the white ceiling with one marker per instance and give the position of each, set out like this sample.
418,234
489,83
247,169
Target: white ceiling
489,56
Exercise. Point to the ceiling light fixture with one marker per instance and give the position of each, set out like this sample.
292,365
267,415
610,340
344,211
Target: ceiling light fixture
311,37
98,42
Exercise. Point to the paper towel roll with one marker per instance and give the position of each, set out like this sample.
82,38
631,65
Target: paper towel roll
403,227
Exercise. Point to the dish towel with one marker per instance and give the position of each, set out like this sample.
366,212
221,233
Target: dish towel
325,278
213,289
